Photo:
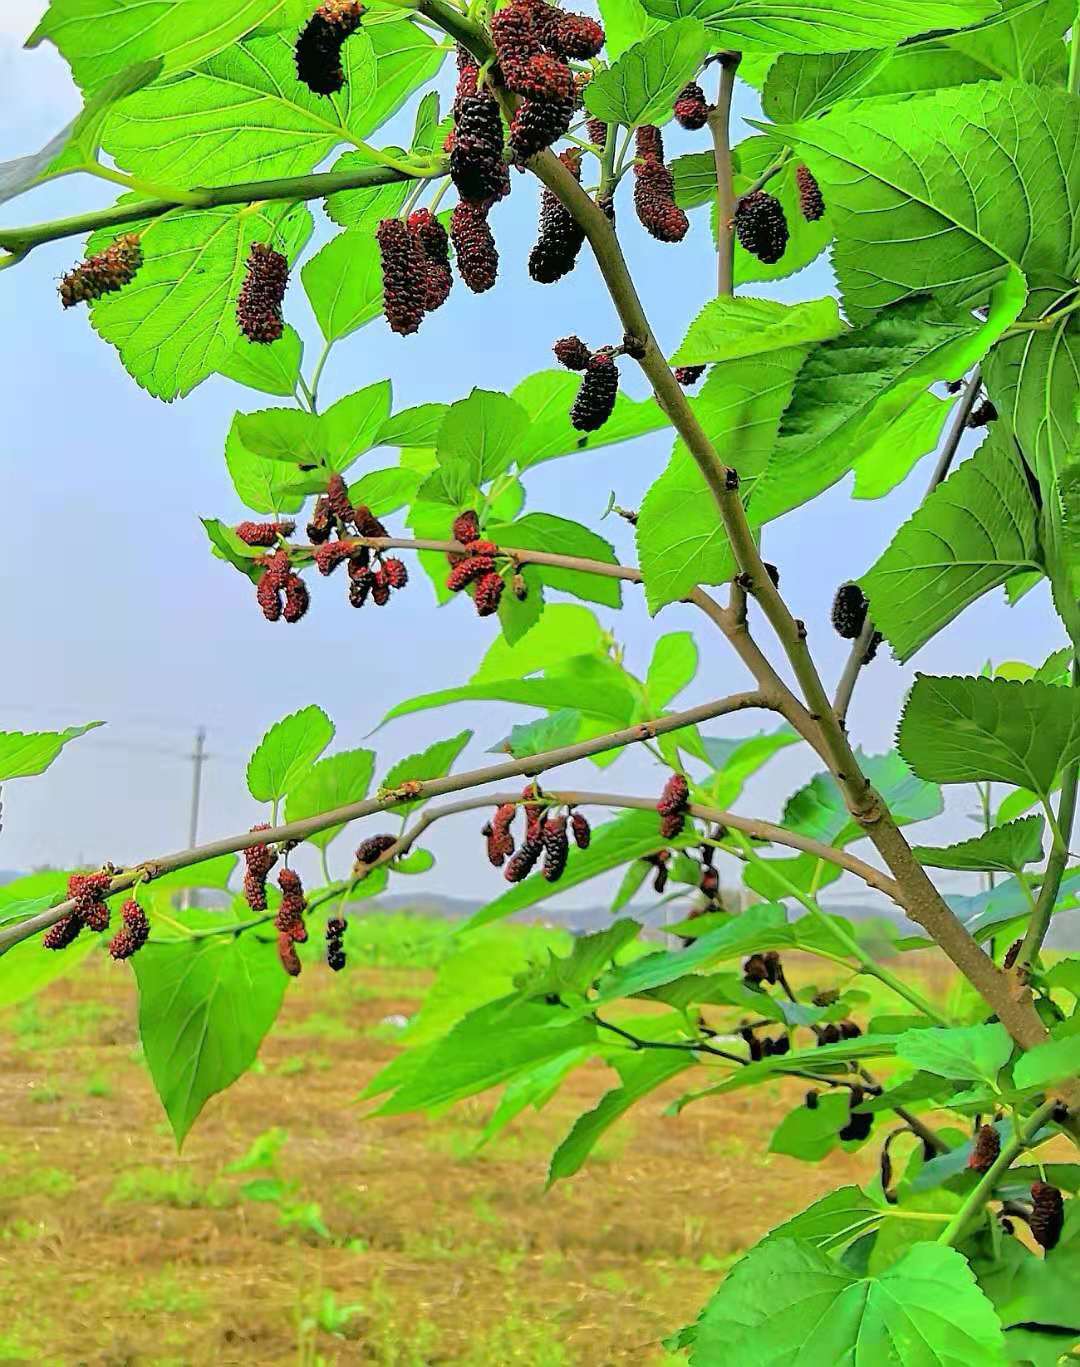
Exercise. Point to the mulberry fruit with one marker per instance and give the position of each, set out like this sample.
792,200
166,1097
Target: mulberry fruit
102,273
290,918
332,554
322,523
595,398
1047,1215
691,107
335,934
263,533
297,598
258,308
435,247
556,848
524,861
1012,954
649,143
811,204
360,586
688,375
482,547
755,970
397,576
88,891
404,273
535,811
290,960
581,829
466,527
985,1149
337,494
859,1123
761,227
63,932
560,237
537,124
983,414
318,49
134,933
654,202
597,131
710,883
476,160
474,246
675,796
544,77
848,1029
849,611
367,524
500,843
828,1034
574,36
468,571
258,861
489,591
380,589
373,848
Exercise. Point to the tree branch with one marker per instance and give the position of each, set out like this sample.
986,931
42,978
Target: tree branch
720,127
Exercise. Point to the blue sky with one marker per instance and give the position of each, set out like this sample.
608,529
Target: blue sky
114,608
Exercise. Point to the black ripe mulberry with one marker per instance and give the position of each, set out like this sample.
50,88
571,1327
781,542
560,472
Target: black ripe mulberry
474,245
318,48
404,276
579,825
654,189
849,611
476,159
688,375
761,227
860,1123
335,934
258,308
537,124
1047,1215
488,593
985,1149
983,414
811,203
596,397
133,934
263,533
435,247
290,918
373,848
560,236
572,353
691,107
102,273
521,864
556,848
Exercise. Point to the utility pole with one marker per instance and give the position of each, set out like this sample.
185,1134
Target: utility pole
198,758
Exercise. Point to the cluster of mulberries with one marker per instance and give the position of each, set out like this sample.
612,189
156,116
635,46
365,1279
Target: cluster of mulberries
985,1149
691,107
335,935
280,592
811,202
133,934
560,235
289,921
258,861
318,48
688,375
654,189
88,891
761,227
475,566
263,533
258,307
546,834
764,1046
1047,1214
672,806
763,968
370,851
833,1033
102,273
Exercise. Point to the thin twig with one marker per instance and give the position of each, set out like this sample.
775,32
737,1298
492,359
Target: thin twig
720,128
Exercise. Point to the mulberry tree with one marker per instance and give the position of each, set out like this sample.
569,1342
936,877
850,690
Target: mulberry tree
931,148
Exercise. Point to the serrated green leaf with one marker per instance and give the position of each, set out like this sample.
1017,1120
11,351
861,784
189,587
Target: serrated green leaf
672,668
331,782
272,368
483,432
175,324
810,1134
289,435
549,733
967,730
888,460
204,1007
287,751
834,1221
229,547
23,754
384,491
545,532
735,760
800,85
406,58
417,426
817,809
564,631
365,207
732,328
1005,848
641,86
260,483
350,427
967,537
625,22
547,397
434,762
978,1052
343,281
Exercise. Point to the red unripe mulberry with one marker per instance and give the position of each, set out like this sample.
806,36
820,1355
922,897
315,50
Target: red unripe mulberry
397,576
649,143
63,932
582,830
367,524
263,533
297,599
318,48
468,571
290,917
523,863
276,569
482,547
811,202
489,590
675,796
103,273
556,848
596,397
404,276
474,246
329,556
380,589
290,960
373,847
654,202
360,585
691,108
134,933
337,493
575,36
435,246
466,527
1048,1214
322,523
88,890
258,308
688,375
572,353
537,124
597,131
761,227
985,1149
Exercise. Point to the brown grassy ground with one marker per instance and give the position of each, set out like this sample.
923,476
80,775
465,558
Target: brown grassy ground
117,1251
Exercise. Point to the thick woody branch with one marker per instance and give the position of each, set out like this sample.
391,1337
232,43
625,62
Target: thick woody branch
295,831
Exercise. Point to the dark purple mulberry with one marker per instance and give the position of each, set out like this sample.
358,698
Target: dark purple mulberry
654,202
985,1149
290,917
849,611
404,273
63,932
477,167
134,933
1047,1215
373,847
435,247
691,107
582,830
318,48
258,308
595,398
556,848
537,124
688,375
761,227
984,414
811,203
474,245
572,353
561,236
524,861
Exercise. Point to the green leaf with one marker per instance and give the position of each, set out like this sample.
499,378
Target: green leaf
1048,1063
331,782
28,967
228,546
640,1074
384,491
731,328
799,86
834,1221
818,810
483,432
417,426
628,836
888,460
261,483
641,86
367,206
350,427
830,26
735,760
968,536
548,733
565,630
547,397
910,217
1006,848
23,754
785,1288
175,324
406,58
672,668
625,22
273,368
847,390
99,38
204,1007
545,532
287,750
810,1134
434,762
289,435
978,1052
967,730
343,281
